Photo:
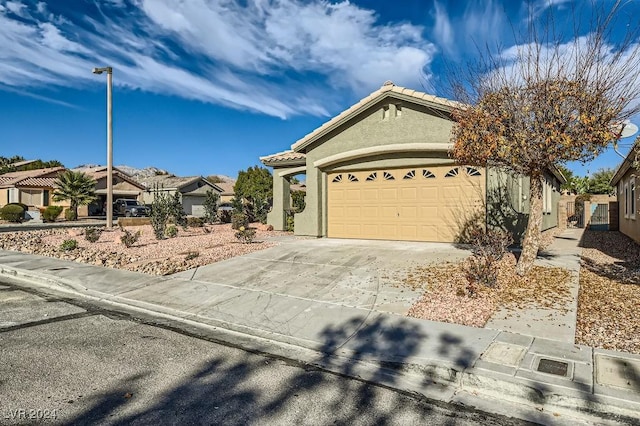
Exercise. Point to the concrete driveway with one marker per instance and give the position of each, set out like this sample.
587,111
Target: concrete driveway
357,273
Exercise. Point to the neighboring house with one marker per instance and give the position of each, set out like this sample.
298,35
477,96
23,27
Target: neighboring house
31,187
624,180
124,186
192,190
381,170
227,193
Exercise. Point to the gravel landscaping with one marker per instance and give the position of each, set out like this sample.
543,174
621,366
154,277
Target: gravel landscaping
609,299
191,248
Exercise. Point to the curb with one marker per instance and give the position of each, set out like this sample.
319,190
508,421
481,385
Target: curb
472,387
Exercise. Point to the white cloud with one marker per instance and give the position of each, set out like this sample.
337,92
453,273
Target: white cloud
251,55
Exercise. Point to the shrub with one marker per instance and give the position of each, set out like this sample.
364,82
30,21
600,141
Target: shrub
195,222
225,216
51,213
24,206
239,220
176,210
210,204
159,213
68,245
70,215
129,238
290,221
171,231
92,234
12,213
192,255
488,248
245,235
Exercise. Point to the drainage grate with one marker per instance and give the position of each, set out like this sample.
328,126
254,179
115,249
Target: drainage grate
550,366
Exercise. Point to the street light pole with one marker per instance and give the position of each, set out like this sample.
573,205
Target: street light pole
109,72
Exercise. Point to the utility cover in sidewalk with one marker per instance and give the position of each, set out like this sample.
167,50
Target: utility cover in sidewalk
551,366
619,372
504,353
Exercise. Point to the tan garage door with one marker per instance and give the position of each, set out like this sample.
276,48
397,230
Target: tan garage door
416,204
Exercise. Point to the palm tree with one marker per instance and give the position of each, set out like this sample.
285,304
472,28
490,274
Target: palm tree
76,187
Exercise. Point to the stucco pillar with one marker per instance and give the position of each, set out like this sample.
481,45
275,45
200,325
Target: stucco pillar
281,202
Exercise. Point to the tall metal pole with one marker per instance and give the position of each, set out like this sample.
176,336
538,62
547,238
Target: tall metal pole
109,149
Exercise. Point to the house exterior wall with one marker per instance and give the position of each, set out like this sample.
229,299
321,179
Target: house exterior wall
4,196
409,124
628,210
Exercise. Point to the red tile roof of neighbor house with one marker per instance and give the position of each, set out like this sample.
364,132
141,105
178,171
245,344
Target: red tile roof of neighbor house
38,177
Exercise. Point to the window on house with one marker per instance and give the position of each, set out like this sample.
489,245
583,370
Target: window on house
388,176
452,173
549,197
352,178
626,200
45,197
632,198
427,174
473,172
372,176
411,174
337,179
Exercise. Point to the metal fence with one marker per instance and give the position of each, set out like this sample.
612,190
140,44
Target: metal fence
575,215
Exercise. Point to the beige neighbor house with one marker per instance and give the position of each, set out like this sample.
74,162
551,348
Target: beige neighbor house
381,170
124,186
31,187
227,194
192,189
624,181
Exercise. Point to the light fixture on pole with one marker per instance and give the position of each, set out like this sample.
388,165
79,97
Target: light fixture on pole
109,72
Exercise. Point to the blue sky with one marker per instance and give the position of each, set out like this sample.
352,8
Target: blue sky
208,86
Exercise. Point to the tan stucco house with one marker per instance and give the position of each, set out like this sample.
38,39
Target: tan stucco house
624,181
124,186
381,170
192,189
31,187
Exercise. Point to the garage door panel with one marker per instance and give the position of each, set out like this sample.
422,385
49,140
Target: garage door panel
417,208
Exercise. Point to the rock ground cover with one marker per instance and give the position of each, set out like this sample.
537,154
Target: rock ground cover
609,298
192,247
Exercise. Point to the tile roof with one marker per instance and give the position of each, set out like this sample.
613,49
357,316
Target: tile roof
99,172
17,178
227,187
170,181
387,89
285,157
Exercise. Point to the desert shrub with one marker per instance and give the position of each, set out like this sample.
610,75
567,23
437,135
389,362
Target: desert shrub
195,222
210,204
239,220
191,255
289,220
70,215
245,235
159,213
176,210
12,213
488,247
51,213
92,234
68,245
129,238
225,216
171,231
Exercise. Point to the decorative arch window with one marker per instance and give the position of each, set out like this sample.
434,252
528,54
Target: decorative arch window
337,179
388,176
372,176
352,178
473,172
452,173
411,174
427,174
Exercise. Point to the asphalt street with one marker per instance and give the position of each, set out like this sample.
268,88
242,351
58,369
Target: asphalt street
65,362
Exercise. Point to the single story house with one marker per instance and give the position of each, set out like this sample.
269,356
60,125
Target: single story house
227,193
124,186
381,170
31,187
192,190
624,181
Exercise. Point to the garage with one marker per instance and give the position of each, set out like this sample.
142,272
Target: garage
428,203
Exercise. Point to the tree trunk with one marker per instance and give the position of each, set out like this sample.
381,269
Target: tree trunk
531,240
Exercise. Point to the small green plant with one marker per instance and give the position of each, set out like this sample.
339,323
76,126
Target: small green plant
12,213
195,222
70,215
239,220
92,234
68,245
192,255
171,231
129,238
51,213
246,235
289,221
159,213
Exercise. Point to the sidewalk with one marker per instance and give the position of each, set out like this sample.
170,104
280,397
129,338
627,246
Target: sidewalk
552,381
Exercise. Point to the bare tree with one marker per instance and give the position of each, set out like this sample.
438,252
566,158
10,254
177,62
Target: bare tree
546,101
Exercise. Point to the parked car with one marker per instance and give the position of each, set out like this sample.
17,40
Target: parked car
130,208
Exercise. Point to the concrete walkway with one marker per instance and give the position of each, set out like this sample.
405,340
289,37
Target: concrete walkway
554,324
550,381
